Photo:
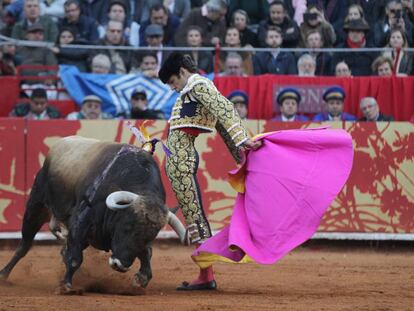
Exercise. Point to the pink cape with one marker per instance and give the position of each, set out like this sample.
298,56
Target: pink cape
289,184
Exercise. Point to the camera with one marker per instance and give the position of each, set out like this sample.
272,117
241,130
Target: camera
310,16
398,14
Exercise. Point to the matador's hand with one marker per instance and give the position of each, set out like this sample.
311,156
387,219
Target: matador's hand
252,145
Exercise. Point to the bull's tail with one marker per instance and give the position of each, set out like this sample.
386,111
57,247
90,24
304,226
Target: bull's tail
35,216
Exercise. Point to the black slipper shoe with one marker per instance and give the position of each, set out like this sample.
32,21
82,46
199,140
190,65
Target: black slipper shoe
212,285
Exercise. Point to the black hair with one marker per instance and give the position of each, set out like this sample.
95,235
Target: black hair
174,63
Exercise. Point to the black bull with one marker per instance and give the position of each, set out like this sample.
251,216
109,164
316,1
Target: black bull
103,194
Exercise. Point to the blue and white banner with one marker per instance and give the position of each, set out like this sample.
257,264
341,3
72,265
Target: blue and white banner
115,90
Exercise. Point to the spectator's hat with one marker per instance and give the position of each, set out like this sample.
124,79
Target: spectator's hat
154,30
91,98
39,93
334,92
139,93
286,93
356,24
238,97
35,27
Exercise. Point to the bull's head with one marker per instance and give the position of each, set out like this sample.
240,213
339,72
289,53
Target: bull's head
145,216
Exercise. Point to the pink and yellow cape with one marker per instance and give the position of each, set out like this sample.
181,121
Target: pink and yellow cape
284,188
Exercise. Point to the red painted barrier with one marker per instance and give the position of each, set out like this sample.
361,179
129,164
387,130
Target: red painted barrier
378,197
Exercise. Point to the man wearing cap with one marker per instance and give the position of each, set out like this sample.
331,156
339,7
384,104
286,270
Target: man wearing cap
32,55
334,98
199,109
240,101
154,35
288,100
31,10
91,110
359,62
139,107
371,110
37,109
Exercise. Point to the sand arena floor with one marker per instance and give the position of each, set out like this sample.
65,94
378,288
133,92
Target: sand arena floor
314,277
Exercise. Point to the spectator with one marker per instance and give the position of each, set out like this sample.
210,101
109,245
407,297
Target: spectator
210,18
101,64
91,109
358,62
370,109
203,59
278,17
233,65
95,9
37,109
342,70
323,59
334,99
70,56
139,107
159,15
32,16
179,8
394,19
123,60
36,55
288,100
84,27
382,66
398,41
334,10
275,62
9,59
257,10
148,66
355,12
241,20
232,40
408,9
314,20
154,35
240,101
117,11
306,66
374,10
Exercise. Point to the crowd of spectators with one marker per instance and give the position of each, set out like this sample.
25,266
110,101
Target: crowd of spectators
309,24
242,24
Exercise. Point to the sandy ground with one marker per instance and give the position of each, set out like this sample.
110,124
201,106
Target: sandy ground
313,277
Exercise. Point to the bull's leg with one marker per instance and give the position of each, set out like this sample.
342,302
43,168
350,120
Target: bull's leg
72,252
35,216
144,274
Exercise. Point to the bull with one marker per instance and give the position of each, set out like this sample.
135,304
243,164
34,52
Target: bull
100,194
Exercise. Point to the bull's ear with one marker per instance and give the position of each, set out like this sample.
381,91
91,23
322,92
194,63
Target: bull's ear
120,200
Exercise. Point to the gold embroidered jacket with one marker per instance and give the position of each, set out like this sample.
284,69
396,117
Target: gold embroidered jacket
201,106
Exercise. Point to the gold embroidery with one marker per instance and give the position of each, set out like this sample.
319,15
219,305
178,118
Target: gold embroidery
181,168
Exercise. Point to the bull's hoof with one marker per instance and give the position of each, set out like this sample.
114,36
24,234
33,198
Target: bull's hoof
67,289
3,276
140,280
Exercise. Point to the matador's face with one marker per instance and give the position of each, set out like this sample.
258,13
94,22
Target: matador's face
177,82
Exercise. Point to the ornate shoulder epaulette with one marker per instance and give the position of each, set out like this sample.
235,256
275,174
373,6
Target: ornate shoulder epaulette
194,80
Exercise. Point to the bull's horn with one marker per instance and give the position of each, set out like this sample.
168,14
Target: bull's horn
120,200
178,227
